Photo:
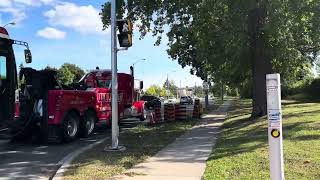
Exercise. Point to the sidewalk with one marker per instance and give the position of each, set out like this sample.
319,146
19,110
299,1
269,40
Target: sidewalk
185,158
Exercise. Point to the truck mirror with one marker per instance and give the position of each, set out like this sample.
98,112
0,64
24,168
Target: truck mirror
3,68
141,84
27,56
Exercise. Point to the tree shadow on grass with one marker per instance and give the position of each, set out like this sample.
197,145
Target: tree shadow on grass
243,135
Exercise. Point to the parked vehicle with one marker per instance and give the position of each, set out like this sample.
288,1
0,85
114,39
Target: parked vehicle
151,101
171,100
186,100
49,110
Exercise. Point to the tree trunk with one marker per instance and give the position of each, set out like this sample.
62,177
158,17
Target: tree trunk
260,64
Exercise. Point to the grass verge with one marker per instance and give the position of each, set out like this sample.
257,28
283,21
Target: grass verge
242,148
141,142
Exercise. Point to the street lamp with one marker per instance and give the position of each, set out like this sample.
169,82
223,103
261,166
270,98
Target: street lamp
11,23
133,74
138,61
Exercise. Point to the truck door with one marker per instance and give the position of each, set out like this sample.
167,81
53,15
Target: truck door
8,82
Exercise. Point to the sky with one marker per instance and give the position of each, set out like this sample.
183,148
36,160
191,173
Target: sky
60,31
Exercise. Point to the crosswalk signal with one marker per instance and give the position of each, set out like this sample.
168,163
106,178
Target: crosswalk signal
125,36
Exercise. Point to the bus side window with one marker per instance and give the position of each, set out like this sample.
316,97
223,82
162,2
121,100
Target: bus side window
3,68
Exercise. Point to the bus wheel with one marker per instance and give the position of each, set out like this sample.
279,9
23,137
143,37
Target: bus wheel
87,126
70,126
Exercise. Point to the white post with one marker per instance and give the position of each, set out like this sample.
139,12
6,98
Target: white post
115,127
275,126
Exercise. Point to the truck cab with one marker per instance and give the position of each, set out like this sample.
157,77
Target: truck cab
128,106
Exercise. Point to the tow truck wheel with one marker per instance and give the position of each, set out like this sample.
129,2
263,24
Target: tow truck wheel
88,124
70,126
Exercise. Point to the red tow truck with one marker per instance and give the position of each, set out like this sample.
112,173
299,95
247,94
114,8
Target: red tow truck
50,110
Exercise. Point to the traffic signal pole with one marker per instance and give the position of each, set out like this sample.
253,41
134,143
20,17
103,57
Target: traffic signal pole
115,127
114,50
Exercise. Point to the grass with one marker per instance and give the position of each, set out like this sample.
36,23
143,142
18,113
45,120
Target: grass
141,142
303,97
242,148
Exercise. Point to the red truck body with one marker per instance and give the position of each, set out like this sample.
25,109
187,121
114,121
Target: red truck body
45,103
97,97
62,101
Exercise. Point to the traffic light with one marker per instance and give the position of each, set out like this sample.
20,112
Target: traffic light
125,35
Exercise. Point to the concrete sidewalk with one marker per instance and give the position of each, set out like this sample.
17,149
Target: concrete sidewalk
185,158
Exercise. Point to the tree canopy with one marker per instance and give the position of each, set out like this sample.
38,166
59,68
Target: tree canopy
226,40
68,73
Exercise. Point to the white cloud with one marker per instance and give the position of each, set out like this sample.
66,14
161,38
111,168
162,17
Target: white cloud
34,2
16,9
84,19
16,13
47,1
51,33
5,3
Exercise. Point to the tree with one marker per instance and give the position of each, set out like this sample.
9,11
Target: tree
232,41
65,76
163,92
20,67
317,66
199,91
173,89
75,70
68,73
154,90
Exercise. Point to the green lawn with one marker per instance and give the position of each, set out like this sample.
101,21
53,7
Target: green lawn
141,142
242,148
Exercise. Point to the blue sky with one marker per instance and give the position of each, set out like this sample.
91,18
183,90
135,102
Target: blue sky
61,31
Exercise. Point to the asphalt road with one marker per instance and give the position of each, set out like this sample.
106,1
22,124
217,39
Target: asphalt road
30,161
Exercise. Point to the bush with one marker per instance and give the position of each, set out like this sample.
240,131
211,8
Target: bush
295,88
314,88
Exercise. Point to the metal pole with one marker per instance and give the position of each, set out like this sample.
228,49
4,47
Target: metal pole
115,127
275,126
222,89
206,97
167,86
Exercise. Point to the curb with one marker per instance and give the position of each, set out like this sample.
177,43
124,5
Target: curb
65,163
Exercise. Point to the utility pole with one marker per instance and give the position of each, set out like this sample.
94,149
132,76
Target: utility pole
222,91
206,92
115,127
167,83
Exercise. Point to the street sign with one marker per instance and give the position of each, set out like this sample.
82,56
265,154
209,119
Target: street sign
275,126
205,86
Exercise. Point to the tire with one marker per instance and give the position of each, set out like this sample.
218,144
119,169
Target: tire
144,115
88,124
70,127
